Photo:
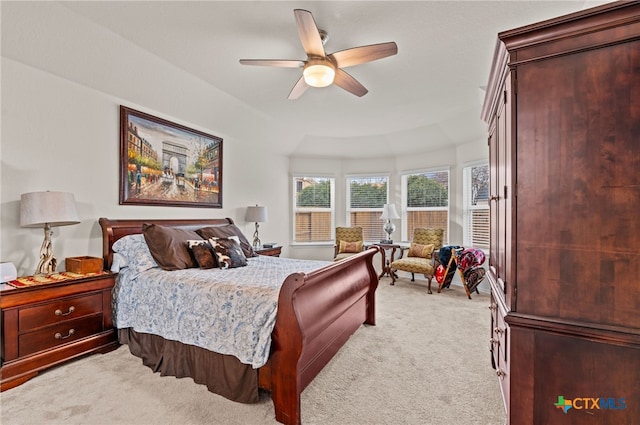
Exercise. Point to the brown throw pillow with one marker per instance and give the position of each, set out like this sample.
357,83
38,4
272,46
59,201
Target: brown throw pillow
350,247
418,250
229,252
226,231
203,253
168,246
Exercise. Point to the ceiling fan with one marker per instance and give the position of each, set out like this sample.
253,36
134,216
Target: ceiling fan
320,69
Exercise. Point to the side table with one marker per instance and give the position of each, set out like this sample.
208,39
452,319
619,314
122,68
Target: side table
46,325
386,262
273,251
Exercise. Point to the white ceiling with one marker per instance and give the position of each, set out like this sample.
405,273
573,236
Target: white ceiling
427,96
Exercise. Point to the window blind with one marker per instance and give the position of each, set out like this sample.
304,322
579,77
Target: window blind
366,197
426,201
314,211
476,206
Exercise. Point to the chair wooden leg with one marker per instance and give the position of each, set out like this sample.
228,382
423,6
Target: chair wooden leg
413,278
429,286
393,277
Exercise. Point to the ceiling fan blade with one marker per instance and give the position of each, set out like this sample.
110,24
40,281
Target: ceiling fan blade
280,63
309,34
350,84
363,54
297,90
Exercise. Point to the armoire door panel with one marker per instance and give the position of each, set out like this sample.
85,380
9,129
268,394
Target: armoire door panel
577,130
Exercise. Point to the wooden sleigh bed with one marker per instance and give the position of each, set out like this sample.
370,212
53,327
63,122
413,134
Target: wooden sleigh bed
317,313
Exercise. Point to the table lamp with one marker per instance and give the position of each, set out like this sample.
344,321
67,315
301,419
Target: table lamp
389,212
47,209
256,214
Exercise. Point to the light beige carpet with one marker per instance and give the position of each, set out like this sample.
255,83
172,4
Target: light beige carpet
426,362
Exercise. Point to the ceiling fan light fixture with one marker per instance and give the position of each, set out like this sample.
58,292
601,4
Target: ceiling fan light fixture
321,69
319,73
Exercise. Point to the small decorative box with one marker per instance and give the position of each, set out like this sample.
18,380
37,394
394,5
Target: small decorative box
83,265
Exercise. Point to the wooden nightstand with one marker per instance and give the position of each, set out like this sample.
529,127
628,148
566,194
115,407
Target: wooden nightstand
45,325
273,252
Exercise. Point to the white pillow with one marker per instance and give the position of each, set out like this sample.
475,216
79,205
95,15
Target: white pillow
119,262
136,254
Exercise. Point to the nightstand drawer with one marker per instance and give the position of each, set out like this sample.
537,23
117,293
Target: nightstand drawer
31,318
58,334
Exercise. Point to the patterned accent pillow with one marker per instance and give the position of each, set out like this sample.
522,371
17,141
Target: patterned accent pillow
350,247
229,252
418,250
203,253
136,254
227,231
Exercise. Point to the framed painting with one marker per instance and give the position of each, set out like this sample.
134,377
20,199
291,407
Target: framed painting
167,164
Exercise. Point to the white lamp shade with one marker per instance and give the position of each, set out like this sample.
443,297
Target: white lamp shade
389,212
256,214
40,208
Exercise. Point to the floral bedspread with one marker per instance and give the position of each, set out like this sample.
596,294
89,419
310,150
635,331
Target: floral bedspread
230,311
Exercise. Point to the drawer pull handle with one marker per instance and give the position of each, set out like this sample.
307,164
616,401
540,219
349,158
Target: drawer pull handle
58,335
493,307
492,341
501,374
498,330
60,313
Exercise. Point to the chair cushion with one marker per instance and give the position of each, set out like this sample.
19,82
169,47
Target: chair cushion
419,250
343,256
349,247
414,265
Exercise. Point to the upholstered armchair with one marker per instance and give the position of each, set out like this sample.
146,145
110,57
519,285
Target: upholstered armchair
349,241
422,255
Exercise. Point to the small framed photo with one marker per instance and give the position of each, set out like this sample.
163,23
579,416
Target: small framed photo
167,164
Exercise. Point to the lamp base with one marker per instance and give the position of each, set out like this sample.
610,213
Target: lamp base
48,262
256,239
388,228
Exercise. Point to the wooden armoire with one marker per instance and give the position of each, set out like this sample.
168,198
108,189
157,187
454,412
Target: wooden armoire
563,112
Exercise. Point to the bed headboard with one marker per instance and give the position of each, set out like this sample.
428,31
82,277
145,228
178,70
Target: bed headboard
112,230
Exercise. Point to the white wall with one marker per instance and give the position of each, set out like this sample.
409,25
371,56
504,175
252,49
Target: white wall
60,131
61,136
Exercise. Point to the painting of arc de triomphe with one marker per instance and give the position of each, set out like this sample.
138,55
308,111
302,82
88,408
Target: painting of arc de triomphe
163,163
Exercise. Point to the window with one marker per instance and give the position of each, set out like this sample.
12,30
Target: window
313,209
425,197
365,198
476,206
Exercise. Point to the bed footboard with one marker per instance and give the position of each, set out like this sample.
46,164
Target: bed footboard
317,313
